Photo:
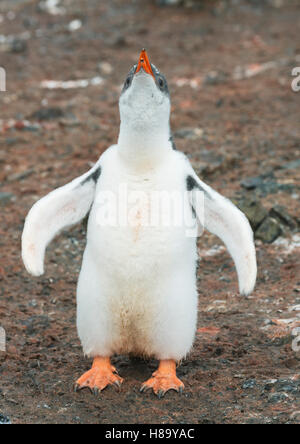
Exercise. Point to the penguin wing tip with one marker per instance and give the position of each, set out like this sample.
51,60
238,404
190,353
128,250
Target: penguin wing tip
38,273
34,270
248,287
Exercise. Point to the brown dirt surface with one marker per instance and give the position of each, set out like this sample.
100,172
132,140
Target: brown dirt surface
242,368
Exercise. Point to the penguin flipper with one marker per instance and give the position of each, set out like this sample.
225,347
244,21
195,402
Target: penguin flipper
61,208
222,218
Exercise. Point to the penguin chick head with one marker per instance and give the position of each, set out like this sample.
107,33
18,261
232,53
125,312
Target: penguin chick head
145,99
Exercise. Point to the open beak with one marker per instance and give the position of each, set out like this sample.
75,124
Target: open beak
144,63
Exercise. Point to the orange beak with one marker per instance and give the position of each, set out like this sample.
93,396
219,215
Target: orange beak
144,63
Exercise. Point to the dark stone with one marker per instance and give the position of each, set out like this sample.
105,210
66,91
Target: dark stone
269,386
18,46
275,398
253,209
251,183
215,78
118,41
36,324
292,165
169,2
251,383
266,184
20,176
47,114
280,213
11,141
5,198
288,386
4,419
268,231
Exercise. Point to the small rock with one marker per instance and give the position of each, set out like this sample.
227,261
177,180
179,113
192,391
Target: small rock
280,213
292,165
36,324
212,163
270,384
215,78
48,114
251,183
274,398
168,2
253,209
5,198
266,184
105,68
268,231
74,25
70,120
4,419
11,141
20,176
18,46
189,133
118,41
251,383
285,385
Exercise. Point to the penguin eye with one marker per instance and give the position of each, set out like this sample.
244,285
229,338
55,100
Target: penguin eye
127,82
161,82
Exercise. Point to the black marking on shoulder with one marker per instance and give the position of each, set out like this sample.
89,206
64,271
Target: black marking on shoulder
94,176
191,184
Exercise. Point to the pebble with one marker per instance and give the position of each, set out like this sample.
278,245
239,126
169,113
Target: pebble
189,133
280,213
5,198
4,419
168,2
251,183
18,46
253,209
251,383
292,165
20,176
48,114
275,398
74,25
268,231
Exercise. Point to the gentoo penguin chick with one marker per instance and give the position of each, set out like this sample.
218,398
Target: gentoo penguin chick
137,287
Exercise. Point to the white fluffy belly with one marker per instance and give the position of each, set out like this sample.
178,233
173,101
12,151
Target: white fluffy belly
134,274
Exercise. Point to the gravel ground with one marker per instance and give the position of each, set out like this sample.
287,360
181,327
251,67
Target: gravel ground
229,68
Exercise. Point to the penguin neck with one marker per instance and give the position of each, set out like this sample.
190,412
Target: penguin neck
144,148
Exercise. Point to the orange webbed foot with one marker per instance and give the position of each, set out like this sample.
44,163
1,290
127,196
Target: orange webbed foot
99,377
164,379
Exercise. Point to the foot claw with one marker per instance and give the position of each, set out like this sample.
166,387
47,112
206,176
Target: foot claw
161,394
144,388
118,383
96,391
